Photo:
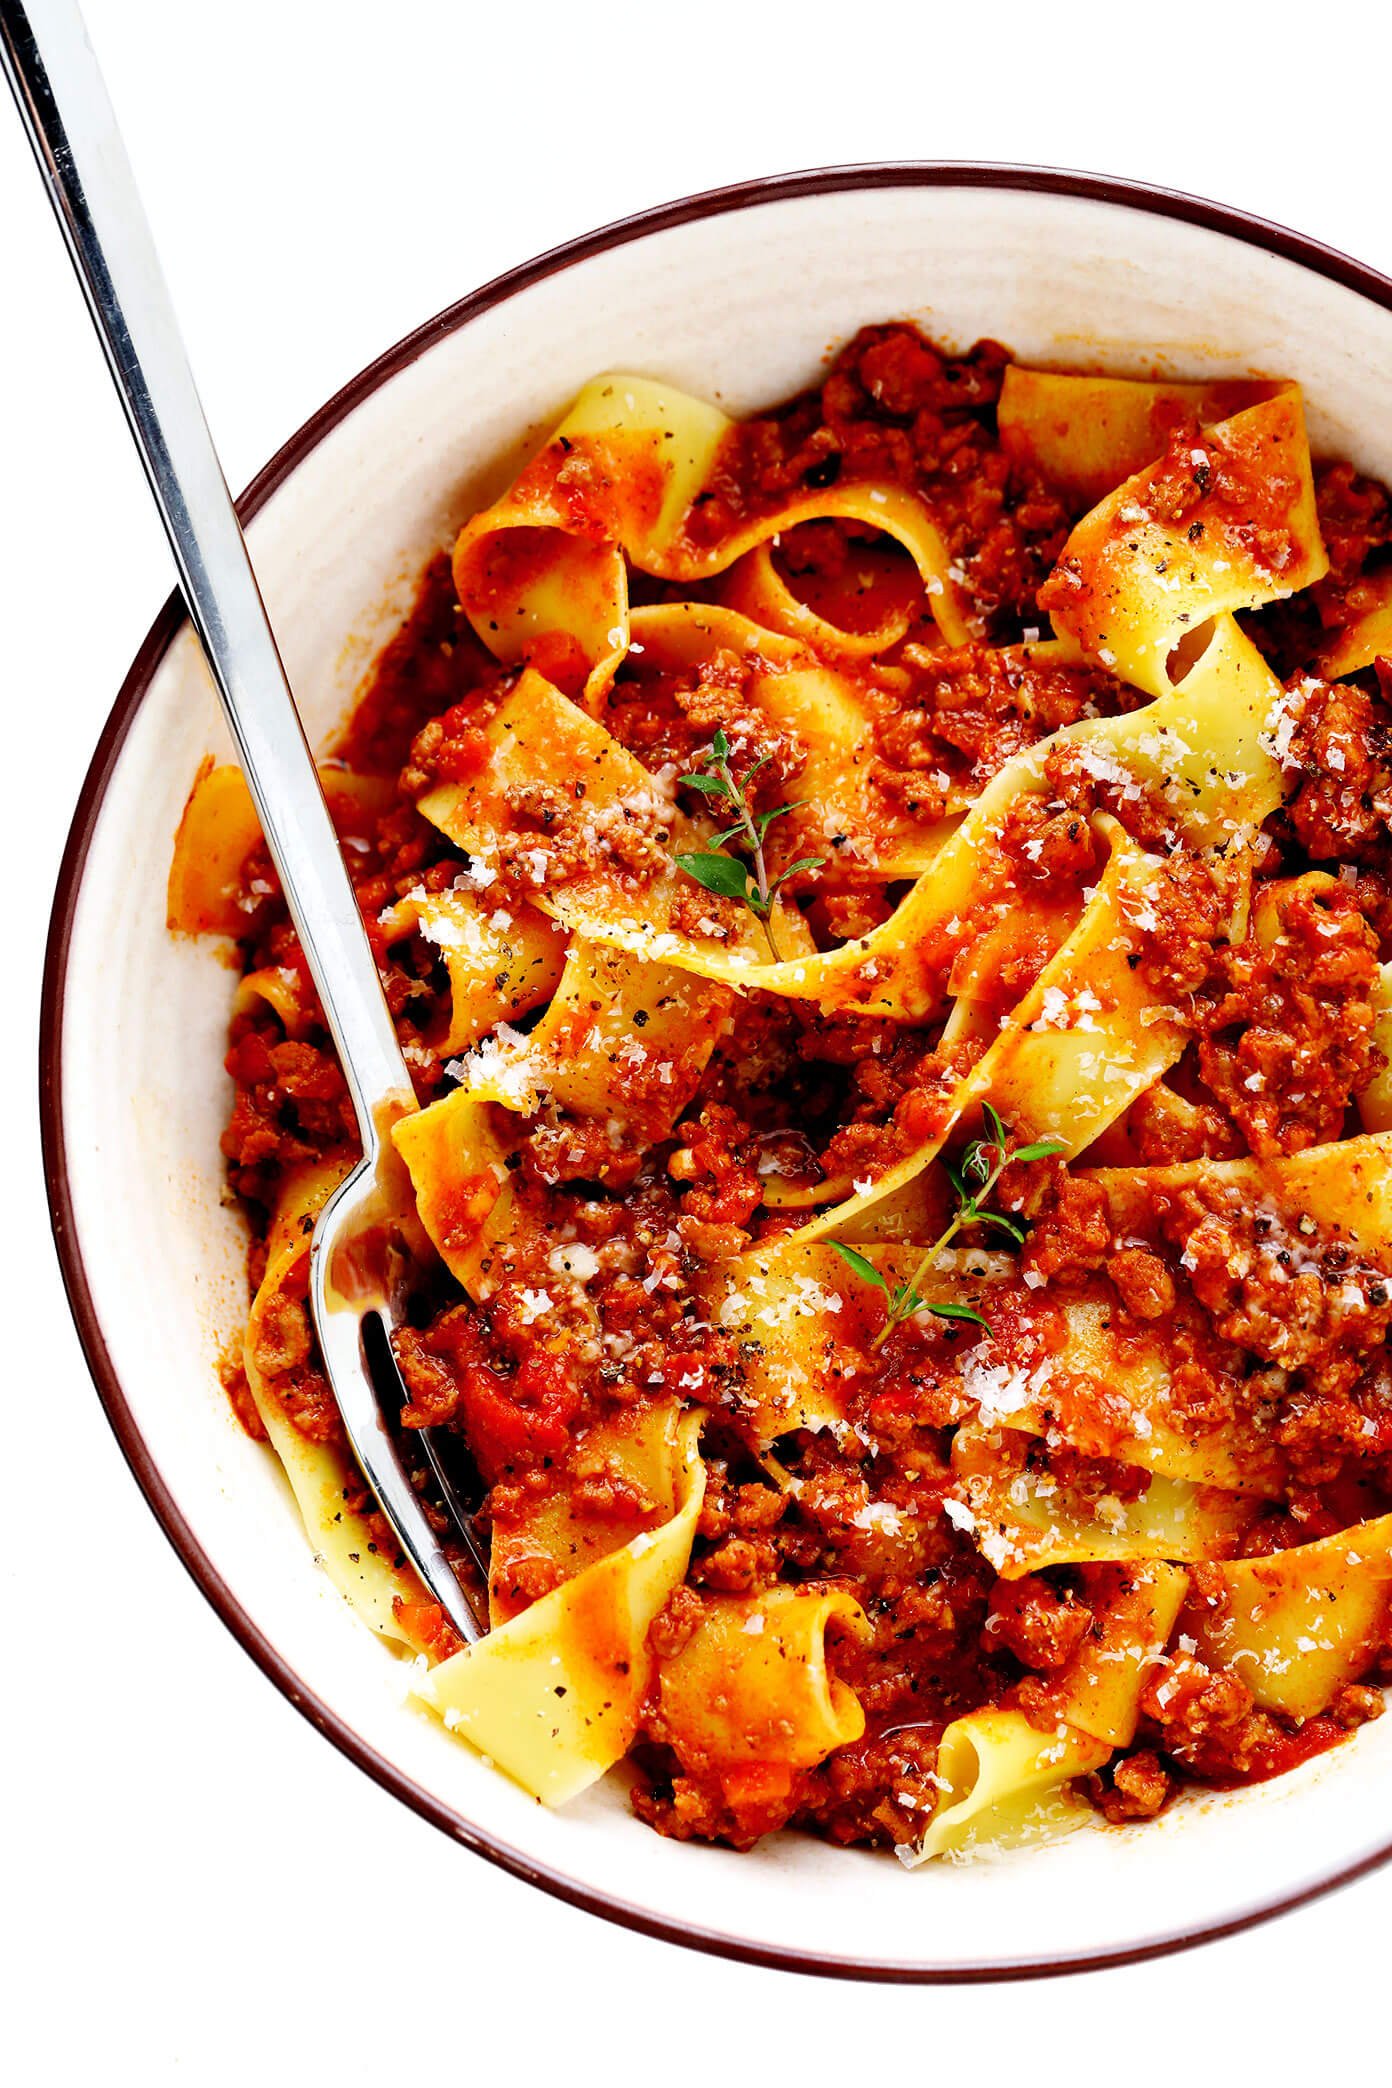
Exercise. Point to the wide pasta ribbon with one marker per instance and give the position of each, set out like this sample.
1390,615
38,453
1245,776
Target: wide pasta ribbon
750,1688
219,830
622,1042
840,814
1001,1782
1088,1038
1084,435
554,1696
804,1321
1109,1389
1209,750
1299,1625
1002,1779
638,1448
1368,638
543,742
542,573
323,1477
1153,562
1022,1516
757,589
1135,1609
463,1187
1200,749
502,963
1343,1191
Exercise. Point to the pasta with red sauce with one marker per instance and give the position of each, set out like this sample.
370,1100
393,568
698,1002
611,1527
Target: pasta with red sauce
887,904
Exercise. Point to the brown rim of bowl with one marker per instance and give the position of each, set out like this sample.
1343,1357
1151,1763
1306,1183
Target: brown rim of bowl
1236,224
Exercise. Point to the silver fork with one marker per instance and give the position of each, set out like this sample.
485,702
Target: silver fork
361,1257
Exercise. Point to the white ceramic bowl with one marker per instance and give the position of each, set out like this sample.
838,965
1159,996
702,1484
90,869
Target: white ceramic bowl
736,295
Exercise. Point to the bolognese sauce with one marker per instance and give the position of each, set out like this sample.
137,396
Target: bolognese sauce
1270,1332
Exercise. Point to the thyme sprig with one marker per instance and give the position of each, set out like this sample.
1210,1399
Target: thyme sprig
983,1163
730,876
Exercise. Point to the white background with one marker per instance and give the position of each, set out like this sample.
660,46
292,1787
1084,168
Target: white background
198,1887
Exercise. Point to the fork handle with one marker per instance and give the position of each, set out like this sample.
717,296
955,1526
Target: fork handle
72,128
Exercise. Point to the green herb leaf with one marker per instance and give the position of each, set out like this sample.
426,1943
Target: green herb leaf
717,873
764,820
1044,1150
982,1163
802,863
866,1270
960,1312
729,876
995,1126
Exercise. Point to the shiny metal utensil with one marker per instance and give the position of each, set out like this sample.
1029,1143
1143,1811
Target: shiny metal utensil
360,1258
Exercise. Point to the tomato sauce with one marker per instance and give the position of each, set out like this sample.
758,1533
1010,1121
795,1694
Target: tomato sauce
1282,1046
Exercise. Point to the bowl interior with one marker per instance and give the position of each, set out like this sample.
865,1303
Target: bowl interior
740,305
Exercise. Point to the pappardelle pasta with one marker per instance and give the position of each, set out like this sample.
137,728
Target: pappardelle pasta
888,907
